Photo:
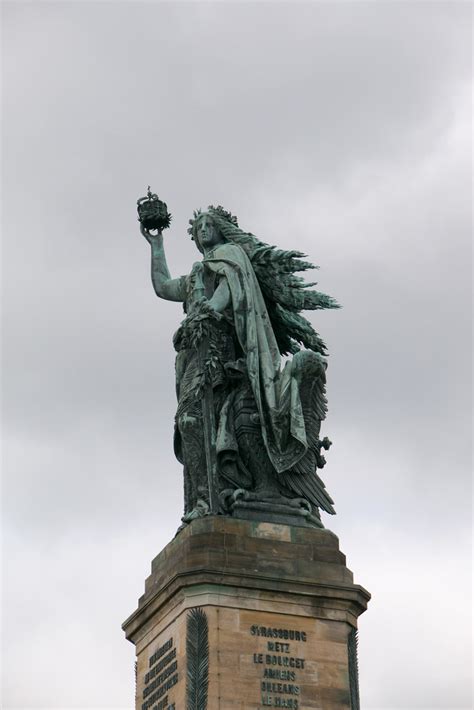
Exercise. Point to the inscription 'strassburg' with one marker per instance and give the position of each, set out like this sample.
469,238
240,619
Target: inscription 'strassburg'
268,632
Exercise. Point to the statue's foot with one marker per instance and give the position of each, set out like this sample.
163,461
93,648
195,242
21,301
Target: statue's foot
269,495
260,494
200,510
268,505
299,503
241,494
226,500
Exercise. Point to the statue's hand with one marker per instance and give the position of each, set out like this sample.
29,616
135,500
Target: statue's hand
152,238
198,268
204,309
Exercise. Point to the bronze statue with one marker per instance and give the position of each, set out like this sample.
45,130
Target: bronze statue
247,429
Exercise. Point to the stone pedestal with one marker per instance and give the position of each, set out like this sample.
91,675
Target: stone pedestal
278,625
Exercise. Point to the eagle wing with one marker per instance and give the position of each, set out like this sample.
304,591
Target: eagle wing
309,370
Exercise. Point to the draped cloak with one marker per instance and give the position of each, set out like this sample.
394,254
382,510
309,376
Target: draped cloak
276,391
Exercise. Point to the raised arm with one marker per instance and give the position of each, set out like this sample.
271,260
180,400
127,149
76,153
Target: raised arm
164,285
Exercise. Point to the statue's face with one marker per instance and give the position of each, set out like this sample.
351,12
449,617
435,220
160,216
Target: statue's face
207,232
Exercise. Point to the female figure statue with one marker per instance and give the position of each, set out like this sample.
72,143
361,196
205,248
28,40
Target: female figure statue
247,429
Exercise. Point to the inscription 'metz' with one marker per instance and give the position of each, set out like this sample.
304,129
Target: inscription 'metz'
272,689
163,675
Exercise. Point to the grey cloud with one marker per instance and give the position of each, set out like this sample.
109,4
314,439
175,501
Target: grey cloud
341,128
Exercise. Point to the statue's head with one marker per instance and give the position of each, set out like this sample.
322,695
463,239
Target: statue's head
206,227
206,233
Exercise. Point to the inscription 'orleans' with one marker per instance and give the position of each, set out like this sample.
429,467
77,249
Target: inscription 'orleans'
163,675
280,655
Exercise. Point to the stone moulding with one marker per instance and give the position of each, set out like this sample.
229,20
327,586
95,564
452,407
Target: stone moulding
301,565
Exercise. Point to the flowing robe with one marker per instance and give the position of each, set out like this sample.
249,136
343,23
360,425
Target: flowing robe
276,391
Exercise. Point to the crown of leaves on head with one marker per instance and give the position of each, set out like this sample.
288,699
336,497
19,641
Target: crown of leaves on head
219,211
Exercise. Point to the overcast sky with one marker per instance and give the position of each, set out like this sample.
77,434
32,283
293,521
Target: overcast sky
341,129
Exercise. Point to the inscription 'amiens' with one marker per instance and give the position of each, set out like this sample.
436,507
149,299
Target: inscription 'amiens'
274,692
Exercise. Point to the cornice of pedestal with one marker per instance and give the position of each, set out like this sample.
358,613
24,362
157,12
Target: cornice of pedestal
237,563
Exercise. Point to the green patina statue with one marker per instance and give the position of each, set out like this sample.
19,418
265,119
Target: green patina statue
247,428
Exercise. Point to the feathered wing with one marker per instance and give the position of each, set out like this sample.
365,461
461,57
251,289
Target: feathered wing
286,294
302,479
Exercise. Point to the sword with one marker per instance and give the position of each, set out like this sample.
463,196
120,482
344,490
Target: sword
208,418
